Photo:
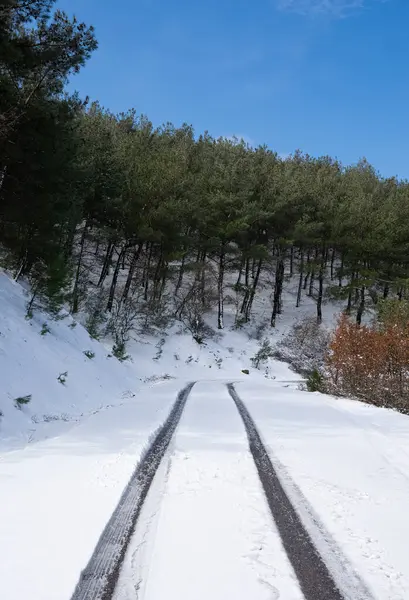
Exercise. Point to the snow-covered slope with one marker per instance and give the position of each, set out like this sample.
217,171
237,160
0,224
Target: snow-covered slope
31,363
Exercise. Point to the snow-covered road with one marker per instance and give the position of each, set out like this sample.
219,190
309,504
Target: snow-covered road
206,530
207,526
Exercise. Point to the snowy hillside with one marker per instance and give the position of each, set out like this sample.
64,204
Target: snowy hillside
67,375
33,365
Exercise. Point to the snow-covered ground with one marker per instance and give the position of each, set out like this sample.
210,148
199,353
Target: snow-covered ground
31,363
66,456
57,495
350,461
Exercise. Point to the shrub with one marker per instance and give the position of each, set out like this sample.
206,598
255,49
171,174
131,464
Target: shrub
89,354
371,363
191,313
315,381
393,312
159,348
305,347
263,354
121,324
95,307
119,351
22,401
45,329
62,377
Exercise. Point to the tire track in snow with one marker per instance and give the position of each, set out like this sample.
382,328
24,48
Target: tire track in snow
98,579
323,574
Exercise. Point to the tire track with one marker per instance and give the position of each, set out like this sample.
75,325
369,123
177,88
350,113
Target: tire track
98,579
322,576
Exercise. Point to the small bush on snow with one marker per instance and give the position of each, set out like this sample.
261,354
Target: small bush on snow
119,351
305,347
316,381
191,311
62,377
22,401
45,329
265,352
159,348
89,354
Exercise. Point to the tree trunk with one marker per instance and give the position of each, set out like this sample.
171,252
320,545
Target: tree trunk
33,297
253,268
220,313
181,273
157,275
146,273
361,306
311,286
321,287
300,280
253,290
22,266
132,267
203,278
341,272
246,297
115,279
3,173
247,272
349,303
75,293
291,261
386,291
308,271
278,288
243,261
107,262
332,263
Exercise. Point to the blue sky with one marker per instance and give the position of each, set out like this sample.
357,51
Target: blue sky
324,76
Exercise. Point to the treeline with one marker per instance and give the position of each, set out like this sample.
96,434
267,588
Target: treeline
106,211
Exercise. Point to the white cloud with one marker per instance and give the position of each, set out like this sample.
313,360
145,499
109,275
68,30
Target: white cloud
335,8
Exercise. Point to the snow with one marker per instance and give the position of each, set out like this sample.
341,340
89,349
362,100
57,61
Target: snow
58,494
349,462
66,456
30,364
211,534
